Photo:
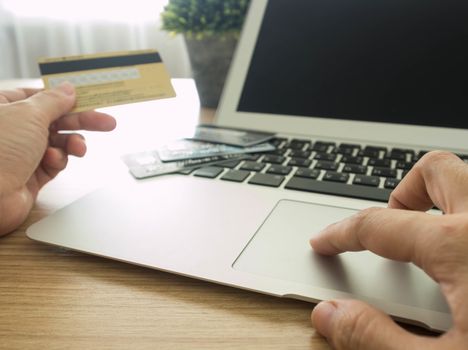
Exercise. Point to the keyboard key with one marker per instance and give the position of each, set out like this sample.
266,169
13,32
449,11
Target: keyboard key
378,148
344,151
347,149
367,180
404,150
308,173
253,156
252,166
209,172
267,180
354,168
279,170
300,162
397,155
322,164
236,175
335,177
463,157
277,141
298,144
278,151
349,146
274,159
352,160
369,153
321,146
231,164
339,189
391,183
330,157
404,165
384,163
385,172
300,154
186,171
373,151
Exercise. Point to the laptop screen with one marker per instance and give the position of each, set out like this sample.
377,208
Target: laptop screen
398,61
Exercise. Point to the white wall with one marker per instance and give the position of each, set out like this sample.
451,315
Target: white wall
53,28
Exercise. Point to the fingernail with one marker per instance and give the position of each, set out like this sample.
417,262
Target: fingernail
66,88
322,318
321,233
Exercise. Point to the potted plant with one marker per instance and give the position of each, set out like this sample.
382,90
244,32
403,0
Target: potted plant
211,29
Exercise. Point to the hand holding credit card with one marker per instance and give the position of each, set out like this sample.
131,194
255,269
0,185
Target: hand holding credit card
109,79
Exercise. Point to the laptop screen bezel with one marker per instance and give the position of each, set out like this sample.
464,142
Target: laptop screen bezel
376,132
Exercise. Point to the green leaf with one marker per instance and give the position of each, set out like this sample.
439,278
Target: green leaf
201,18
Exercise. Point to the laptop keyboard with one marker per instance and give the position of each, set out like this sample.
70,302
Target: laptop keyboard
351,170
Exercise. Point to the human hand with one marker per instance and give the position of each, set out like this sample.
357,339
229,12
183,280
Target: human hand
33,149
438,244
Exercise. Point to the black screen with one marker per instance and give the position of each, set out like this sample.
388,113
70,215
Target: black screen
396,61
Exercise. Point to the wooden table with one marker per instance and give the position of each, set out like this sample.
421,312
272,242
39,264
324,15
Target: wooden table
51,298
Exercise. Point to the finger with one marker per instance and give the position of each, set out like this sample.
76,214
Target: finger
49,105
439,178
91,121
9,96
350,324
408,236
53,162
55,159
73,144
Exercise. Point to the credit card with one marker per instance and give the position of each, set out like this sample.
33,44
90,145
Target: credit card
108,79
148,164
230,136
191,149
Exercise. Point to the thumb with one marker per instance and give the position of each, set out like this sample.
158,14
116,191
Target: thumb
350,324
54,103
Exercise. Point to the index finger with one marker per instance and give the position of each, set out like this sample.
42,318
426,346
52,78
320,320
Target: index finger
439,178
9,96
408,236
91,121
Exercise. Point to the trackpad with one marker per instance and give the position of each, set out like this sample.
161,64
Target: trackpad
280,249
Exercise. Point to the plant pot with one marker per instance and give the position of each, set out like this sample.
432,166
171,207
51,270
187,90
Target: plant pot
210,59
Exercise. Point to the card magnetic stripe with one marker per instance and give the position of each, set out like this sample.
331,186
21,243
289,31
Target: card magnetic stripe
98,63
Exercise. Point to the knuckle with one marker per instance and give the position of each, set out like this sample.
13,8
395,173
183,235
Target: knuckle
429,160
436,156
51,103
353,329
29,111
449,227
56,97
365,214
449,246
363,219
433,163
32,117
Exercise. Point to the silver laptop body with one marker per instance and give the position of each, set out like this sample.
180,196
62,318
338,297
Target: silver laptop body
256,237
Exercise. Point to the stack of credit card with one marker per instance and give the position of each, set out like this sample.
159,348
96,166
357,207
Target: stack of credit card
108,79
209,145
230,136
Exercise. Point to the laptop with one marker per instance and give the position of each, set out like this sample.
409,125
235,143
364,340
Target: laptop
355,91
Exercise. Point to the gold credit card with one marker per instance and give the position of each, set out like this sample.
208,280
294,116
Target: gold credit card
109,79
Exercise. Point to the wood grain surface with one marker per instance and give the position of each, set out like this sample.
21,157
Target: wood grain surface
52,298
